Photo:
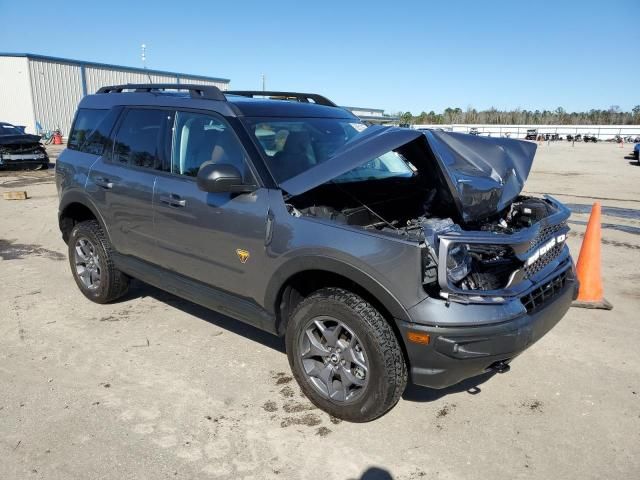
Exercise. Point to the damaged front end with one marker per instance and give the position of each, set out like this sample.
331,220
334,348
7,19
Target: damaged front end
506,258
481,240
22,151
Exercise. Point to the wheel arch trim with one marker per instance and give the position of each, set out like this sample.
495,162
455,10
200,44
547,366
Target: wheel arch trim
303,263
80,198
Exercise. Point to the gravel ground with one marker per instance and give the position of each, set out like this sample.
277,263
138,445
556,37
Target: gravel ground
156,387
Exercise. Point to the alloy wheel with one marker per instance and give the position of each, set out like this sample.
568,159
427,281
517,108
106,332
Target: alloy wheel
334,359
87,262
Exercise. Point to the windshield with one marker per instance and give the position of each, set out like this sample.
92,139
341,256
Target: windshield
6,129
294,145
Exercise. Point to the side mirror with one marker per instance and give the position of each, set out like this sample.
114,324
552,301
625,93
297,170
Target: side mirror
215,178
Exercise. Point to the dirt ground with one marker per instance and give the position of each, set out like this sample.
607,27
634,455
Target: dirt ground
156,387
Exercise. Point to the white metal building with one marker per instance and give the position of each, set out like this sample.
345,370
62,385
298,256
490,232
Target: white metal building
372,115
41,91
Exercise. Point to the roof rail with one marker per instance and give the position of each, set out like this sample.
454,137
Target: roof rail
298,97
208,92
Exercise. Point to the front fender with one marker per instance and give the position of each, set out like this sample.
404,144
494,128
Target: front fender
309,261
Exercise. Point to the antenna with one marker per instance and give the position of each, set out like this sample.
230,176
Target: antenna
143,56
263,82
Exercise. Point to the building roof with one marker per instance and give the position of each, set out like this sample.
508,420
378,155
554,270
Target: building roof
108,65
364,109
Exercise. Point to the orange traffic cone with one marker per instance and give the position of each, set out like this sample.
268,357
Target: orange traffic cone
589,274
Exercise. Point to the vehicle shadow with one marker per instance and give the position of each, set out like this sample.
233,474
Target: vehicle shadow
376,473
413,393
416,393
140,289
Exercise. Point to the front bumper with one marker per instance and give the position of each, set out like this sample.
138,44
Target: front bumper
24,159
456,353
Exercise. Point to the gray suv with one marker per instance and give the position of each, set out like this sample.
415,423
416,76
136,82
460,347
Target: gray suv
381,254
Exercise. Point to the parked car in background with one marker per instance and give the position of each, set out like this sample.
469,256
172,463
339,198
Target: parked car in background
21,150
532,134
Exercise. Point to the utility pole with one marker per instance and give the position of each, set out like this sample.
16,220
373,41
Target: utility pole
143,55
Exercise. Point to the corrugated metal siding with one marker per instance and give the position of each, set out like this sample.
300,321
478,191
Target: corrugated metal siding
47,90
199,81
16,105
57,89
100,77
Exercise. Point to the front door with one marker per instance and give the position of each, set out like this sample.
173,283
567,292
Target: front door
215,238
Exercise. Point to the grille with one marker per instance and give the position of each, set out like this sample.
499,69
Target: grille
544,293
545,233
20,149
544,260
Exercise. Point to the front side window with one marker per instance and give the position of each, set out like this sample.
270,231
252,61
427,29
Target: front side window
200,138
294,145
138,140
86,121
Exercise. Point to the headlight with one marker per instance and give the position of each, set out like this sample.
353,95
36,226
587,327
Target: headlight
458,262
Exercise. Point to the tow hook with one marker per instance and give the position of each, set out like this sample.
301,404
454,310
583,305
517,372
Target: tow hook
500,367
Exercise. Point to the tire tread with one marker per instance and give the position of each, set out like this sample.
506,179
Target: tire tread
394,363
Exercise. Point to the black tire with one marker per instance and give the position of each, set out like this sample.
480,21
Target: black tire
113,283
387,370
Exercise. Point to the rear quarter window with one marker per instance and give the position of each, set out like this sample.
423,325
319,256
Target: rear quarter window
86,121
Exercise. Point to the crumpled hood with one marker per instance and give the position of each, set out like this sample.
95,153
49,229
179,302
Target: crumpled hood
19,139
483,174
369,144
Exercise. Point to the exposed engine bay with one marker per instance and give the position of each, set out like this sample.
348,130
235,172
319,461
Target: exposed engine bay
458,199
409,210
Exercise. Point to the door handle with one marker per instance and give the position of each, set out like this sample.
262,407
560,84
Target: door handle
103,182
173,200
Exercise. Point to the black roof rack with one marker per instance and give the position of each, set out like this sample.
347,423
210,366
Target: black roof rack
298,97
208,92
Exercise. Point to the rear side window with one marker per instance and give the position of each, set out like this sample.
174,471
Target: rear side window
87,119
99,142
138,140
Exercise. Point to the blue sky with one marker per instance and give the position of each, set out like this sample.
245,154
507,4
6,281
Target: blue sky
413,55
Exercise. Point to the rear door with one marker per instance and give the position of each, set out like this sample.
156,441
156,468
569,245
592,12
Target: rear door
121,182
215,238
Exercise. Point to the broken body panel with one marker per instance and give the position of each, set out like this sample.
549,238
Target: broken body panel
481,240
21,150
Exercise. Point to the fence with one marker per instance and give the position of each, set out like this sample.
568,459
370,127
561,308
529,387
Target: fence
603,132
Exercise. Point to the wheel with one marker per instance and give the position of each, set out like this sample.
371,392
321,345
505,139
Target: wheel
345,356
92,265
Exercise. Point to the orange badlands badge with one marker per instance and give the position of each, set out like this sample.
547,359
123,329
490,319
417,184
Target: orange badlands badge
243,255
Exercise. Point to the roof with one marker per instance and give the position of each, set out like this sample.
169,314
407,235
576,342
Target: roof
112,66
235,105
264,107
